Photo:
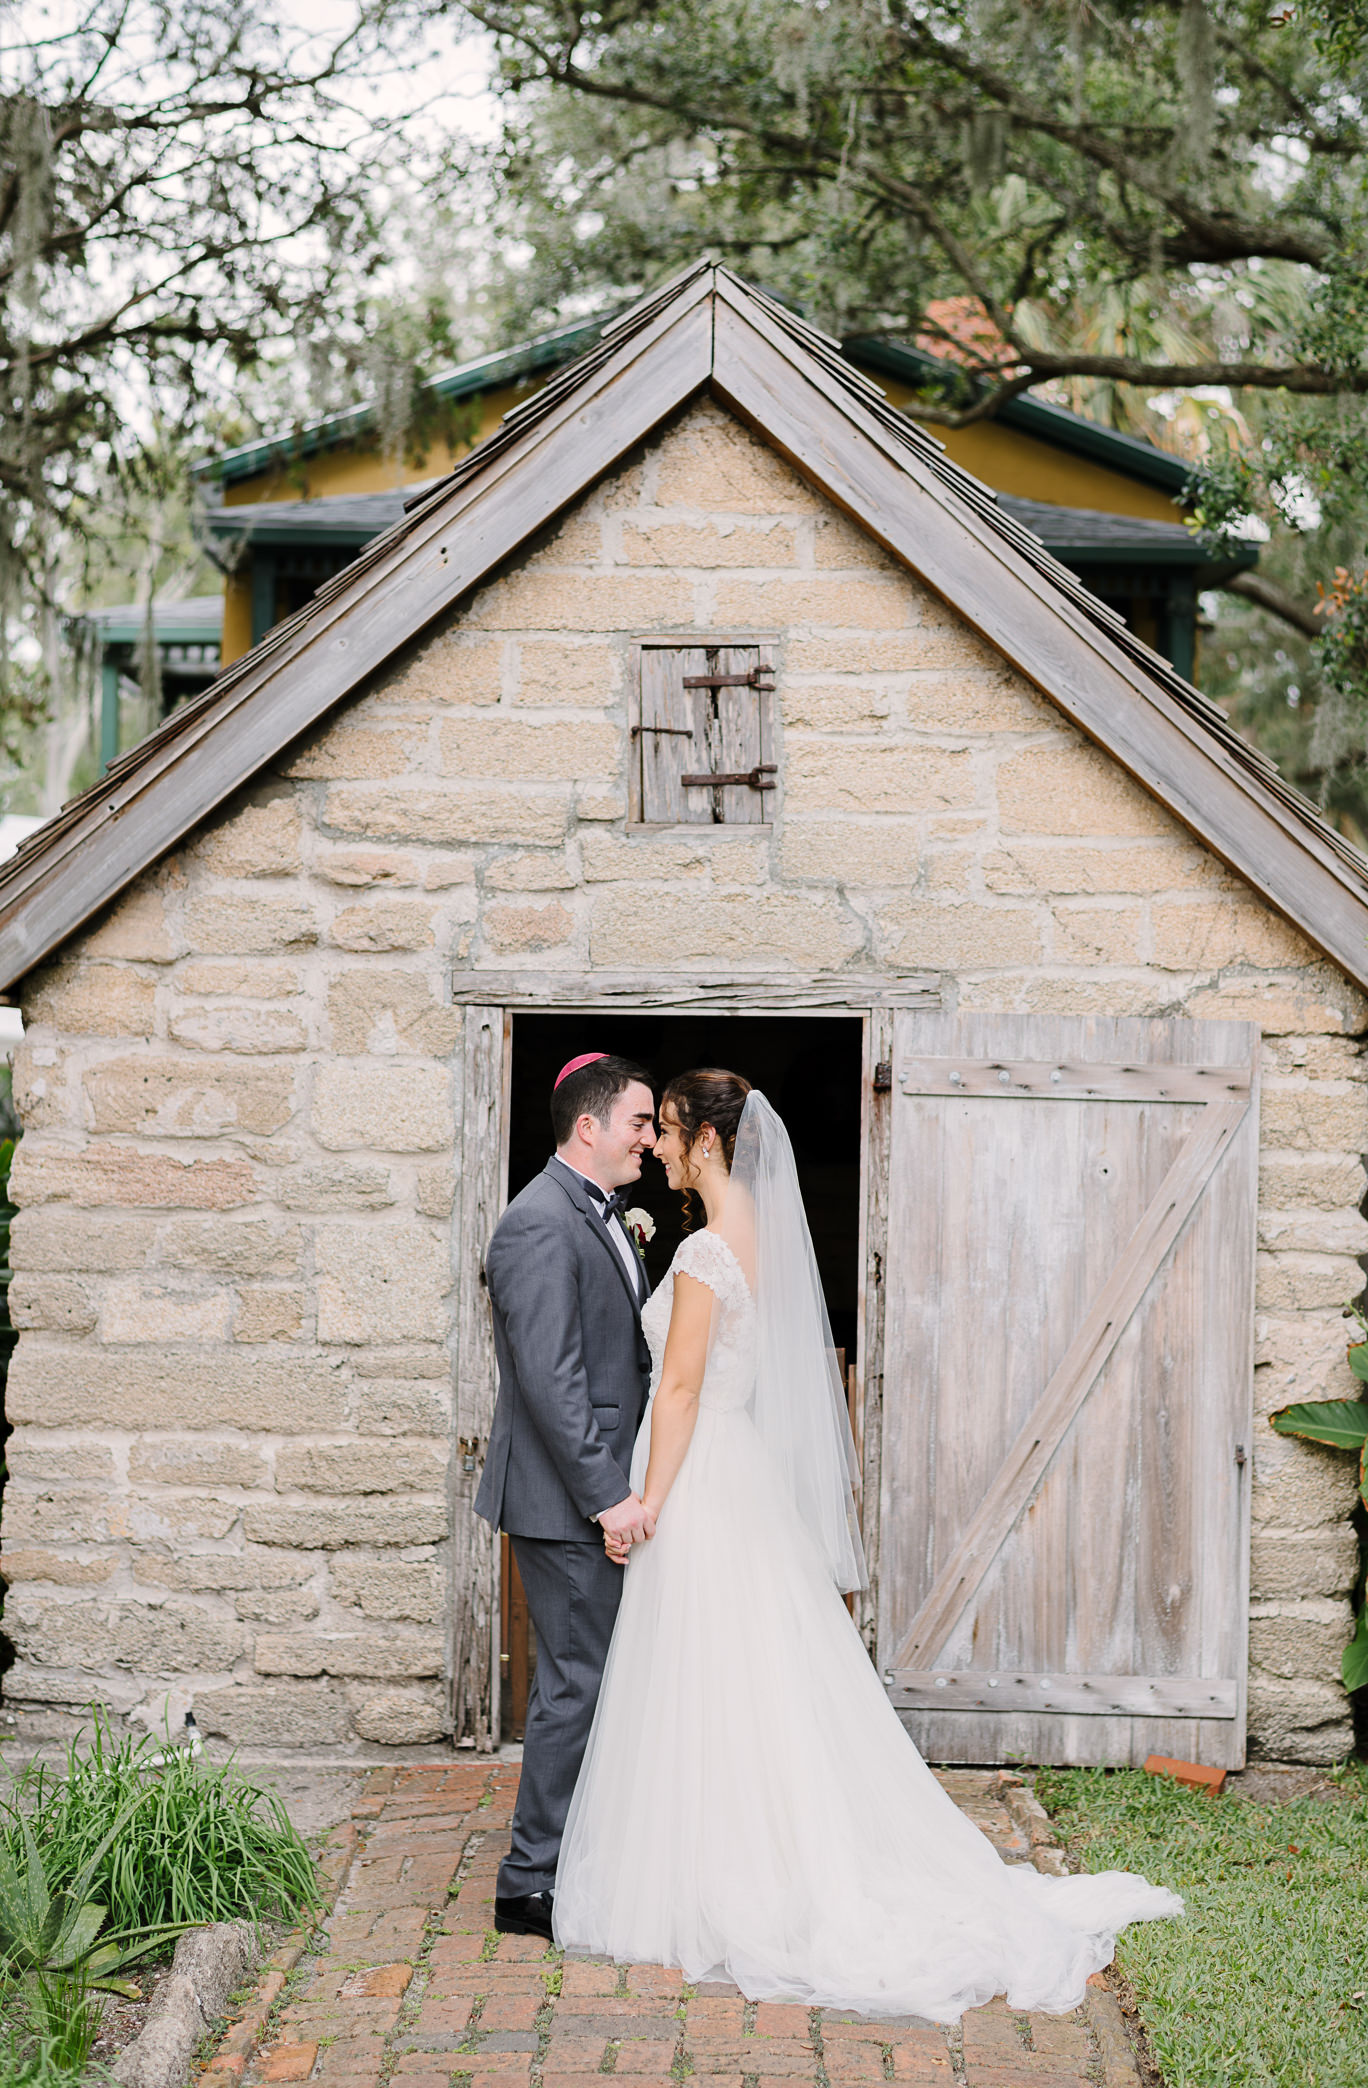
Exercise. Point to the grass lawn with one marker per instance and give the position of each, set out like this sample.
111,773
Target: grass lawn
1265,1983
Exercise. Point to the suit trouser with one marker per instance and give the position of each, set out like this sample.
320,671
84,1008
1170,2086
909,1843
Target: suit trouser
573,1591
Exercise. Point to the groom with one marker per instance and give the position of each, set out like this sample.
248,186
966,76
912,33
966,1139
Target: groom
567,1284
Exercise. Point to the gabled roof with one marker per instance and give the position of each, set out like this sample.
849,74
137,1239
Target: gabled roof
704,332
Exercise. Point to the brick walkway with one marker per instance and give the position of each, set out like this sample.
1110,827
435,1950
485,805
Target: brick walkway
412,1988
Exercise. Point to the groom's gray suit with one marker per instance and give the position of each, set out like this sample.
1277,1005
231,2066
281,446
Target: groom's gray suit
574,1370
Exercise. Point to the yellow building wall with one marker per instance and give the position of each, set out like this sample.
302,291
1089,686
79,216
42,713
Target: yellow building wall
1003,458
359,466
237,616
1022,465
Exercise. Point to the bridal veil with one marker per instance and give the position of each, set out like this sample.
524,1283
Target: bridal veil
798,1402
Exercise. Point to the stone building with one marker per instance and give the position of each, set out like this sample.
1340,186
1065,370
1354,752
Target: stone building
1060,989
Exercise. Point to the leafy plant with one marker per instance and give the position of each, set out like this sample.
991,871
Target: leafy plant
31,2059
202,1843
64,2018
1343,1423
50,1933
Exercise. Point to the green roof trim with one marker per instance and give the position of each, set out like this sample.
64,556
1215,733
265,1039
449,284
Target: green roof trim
486,373
198,620
1056,425
1051,424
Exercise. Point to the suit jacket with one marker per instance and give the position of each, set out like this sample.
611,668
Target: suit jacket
574,1368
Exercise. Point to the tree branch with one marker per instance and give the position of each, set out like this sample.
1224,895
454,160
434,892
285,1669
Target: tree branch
1219,236
1267,594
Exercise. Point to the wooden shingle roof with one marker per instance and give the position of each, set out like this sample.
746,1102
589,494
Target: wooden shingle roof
706,331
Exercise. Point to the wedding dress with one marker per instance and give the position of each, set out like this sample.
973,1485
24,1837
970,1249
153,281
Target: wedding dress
749,1806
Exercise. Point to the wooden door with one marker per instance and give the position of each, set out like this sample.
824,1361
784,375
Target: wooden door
1068,1358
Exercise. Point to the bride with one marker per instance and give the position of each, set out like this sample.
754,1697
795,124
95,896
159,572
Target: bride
750,1807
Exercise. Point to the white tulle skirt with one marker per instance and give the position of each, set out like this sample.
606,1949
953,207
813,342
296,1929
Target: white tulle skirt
751,1809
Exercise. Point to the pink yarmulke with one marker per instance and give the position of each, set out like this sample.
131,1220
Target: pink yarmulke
586,1058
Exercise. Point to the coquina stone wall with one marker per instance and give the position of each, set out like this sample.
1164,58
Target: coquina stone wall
233,1262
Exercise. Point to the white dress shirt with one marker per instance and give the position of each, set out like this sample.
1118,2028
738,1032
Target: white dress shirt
620,1237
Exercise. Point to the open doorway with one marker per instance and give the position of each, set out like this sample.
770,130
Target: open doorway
809,1066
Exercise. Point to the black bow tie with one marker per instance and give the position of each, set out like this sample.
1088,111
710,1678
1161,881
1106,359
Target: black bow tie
611,1203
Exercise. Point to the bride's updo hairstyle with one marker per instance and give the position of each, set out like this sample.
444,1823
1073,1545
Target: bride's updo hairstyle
707,1095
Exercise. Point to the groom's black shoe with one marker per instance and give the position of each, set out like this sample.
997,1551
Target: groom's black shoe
528,1914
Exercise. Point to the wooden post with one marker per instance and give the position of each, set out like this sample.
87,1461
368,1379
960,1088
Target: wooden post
474,1642
875,1123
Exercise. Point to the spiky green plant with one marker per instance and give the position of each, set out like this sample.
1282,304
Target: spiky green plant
203,1842
52,1933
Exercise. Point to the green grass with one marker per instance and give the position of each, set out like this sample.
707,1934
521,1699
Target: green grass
205,1844
1264,1984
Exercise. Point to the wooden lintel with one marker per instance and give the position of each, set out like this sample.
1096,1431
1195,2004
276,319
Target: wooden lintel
625,992
1128,1696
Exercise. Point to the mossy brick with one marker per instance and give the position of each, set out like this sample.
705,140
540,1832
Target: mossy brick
263,840
398,1108
394,1521
191,1097
97,1000
447,813
384,924
366,1466
72,1387
251,1030
238,924
378,1283
356,751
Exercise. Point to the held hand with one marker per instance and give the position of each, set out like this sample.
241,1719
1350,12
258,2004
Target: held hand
617,1546
627,1522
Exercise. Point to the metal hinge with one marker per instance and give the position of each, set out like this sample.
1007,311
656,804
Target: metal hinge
883,1077
753,779
1239,1453
757,678
679,731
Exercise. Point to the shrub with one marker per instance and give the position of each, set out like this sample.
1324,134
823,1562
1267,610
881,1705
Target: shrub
202,1843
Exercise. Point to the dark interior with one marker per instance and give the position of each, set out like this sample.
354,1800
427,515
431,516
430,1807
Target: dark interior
808,1066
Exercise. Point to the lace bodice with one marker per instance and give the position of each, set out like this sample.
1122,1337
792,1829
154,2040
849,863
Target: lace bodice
731,1359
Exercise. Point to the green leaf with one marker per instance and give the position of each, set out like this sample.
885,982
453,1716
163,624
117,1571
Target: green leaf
78,1936
1358,1359
1354,1666
1343,1422
126,1987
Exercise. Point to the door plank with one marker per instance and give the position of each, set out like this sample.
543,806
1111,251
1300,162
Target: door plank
1068,1082
1089,1696
1031,1453
671,743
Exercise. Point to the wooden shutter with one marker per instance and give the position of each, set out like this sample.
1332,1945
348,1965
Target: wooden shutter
1067,1387
682,730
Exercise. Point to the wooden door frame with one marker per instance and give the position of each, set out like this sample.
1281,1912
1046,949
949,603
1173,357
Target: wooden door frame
489,1001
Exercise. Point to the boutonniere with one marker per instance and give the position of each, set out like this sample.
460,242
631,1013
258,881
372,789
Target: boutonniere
641,1226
